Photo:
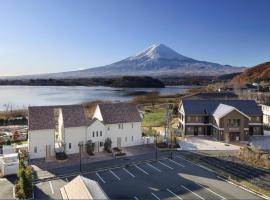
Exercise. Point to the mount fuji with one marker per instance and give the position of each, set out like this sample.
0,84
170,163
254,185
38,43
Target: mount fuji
157,60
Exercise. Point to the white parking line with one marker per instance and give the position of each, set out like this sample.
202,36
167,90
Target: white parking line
155,196
136,198
222,198
153,167
192,192
176,163
174,194
115,175
100,177
129,173
51,187
141,169
165,165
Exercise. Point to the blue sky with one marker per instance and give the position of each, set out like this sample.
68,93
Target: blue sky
38,36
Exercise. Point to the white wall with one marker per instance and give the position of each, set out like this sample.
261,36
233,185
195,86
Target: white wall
126,134
97,126
39,139
74,135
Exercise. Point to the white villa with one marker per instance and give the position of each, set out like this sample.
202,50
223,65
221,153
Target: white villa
54,127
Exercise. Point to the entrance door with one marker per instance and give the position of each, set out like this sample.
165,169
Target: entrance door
48,151
119,142
195,130
96,147
251,130
235,136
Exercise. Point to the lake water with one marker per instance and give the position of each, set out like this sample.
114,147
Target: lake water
23,96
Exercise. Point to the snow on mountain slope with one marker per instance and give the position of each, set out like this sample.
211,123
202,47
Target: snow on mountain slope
156,60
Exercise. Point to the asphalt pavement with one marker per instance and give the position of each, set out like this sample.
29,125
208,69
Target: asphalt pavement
163,179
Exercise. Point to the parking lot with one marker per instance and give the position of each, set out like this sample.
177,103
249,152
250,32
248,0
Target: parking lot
164,179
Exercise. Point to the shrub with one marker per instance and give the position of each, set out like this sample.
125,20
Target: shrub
162,145
61,155
117,149
120,154
108,145
90,147
24,188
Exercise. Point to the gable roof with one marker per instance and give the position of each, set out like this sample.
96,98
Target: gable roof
119,113
207,107
42,117
82,188
224,109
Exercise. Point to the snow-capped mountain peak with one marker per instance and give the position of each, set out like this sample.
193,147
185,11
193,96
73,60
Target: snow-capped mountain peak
159,51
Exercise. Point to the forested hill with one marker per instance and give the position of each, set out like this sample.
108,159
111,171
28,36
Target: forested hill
257,73
126,81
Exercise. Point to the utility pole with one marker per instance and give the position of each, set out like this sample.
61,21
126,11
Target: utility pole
156,147
80,150
167,127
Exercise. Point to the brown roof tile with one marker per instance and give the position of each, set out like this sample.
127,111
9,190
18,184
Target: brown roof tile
119,113
42,117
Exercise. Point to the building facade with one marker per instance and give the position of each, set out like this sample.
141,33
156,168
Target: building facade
266,115
226,120
62,128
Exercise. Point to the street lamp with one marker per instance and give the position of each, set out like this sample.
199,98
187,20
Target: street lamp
80,144
156,146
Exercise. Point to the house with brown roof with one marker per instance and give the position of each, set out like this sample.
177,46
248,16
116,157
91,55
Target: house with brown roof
62,128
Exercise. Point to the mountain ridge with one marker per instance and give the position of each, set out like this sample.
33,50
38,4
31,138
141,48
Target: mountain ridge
156,60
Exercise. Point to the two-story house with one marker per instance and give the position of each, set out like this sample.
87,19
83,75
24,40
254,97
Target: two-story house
226,120
53,128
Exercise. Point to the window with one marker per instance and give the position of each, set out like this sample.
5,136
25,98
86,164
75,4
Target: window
97,133
131,125
197,118
108,128
35,149
188,119
93,134
101,144
131,138
257,119
122,126
100,133
126,138
119,126
69,145
234,123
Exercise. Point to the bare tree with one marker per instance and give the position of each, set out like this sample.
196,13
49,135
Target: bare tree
152,97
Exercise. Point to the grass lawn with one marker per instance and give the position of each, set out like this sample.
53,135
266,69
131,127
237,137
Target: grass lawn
154,118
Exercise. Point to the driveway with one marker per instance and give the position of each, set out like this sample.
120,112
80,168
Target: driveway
205,143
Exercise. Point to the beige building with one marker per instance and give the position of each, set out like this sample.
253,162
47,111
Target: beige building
82,188
226,120
266,115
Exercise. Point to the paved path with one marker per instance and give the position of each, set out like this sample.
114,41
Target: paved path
199,143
